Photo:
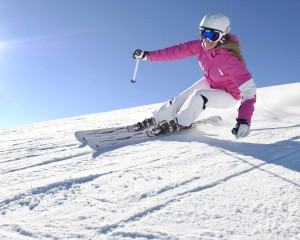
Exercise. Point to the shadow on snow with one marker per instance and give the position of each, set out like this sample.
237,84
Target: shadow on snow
284,153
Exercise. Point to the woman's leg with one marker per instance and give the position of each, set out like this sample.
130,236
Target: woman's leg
199,100
170,108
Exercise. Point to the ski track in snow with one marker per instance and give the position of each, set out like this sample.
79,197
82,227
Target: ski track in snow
203,184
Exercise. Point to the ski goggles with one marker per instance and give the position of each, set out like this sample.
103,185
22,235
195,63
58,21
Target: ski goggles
211,34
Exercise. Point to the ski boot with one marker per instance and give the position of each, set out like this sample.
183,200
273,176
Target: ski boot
166,127
148,122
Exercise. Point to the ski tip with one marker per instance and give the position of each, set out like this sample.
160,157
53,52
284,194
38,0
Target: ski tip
212,119
218,118
79,137
215,120
93,144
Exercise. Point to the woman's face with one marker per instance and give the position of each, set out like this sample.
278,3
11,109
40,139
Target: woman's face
208,44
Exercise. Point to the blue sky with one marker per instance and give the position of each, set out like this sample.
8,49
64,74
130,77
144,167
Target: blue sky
64,58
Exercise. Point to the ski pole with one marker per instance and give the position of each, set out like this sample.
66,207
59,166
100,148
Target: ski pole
135,71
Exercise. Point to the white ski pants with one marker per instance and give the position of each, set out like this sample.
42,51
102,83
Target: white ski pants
188,106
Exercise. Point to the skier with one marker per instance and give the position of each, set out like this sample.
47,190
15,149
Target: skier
226,82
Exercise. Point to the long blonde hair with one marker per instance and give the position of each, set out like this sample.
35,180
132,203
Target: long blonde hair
233,45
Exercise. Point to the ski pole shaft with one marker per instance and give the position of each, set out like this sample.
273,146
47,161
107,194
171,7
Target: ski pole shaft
135,71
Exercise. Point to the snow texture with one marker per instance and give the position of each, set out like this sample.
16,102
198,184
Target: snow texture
201,184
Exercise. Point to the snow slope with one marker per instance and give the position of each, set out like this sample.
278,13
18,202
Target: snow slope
202,184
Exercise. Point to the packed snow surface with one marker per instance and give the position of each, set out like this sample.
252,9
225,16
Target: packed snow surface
199,184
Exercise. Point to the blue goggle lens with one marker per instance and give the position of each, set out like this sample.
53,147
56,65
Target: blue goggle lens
210,34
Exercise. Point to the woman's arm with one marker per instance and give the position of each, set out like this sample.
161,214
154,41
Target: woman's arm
183,50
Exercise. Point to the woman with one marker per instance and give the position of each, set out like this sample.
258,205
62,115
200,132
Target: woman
226,82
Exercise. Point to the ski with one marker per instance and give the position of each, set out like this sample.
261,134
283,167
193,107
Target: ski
127,138
81,136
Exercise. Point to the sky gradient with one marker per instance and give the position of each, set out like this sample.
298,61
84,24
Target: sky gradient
64,58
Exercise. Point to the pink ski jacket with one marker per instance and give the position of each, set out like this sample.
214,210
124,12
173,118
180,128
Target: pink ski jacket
221,68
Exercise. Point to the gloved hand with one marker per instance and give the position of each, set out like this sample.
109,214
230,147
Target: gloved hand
139,54
241,129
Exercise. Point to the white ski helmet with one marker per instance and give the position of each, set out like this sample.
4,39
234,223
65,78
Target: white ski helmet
217,21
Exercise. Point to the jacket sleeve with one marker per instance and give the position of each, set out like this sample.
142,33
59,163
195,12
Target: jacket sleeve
248,94
242,78
180,51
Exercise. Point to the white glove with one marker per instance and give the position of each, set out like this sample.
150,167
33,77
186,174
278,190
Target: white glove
139,54
241,129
